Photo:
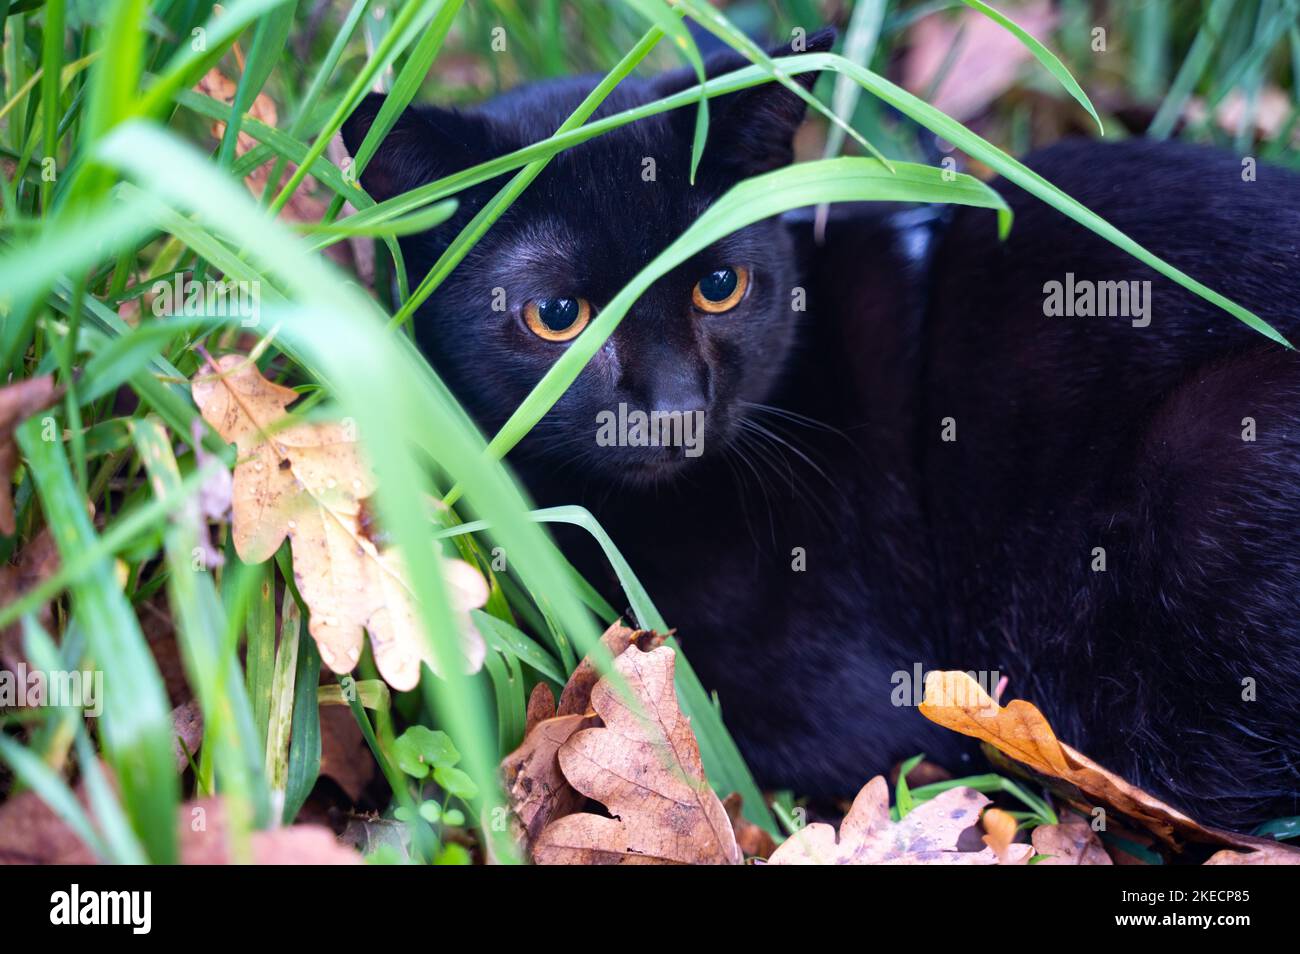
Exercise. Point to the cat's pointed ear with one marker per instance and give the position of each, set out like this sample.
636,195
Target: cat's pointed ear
425,144
751,131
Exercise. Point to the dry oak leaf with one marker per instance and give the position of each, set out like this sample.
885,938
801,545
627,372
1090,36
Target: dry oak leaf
537,789
18,401
644,766
576,696
541,706
1266,852
1072,842
956,701
308,482
303,205
927,835
32,565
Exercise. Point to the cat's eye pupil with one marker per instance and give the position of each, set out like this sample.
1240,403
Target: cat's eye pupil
558,314
718,285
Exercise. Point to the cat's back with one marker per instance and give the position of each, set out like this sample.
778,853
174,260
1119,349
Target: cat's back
1228,221
1056,344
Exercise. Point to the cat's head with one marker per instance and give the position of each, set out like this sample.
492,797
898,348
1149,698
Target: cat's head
705,339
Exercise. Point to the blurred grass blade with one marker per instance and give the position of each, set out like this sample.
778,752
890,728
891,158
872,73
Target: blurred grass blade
723,764
54,792
1191,70
136,726
212,670
193,59
670,24
269,39
259,656
859,46
408,82
1041,53
502,636
412,19
111,822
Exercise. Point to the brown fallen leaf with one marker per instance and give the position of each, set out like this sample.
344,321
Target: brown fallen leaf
304,206
220,87
956,701
18,401
645,768
754,842
927,835
34,562
308,482
31,834
1072,842
537,789
1266,853
541,706
576,696
345,756
187,733
205,840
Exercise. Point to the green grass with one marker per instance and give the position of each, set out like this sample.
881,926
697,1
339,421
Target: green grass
110,179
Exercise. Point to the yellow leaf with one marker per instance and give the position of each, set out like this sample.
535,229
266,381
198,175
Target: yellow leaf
308,482
956,701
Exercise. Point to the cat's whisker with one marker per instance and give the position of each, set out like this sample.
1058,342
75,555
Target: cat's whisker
813,500
793,417
776,438
737,446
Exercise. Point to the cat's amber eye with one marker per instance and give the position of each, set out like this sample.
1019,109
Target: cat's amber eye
721,290
557,319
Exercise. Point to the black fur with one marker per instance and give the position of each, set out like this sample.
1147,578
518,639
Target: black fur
1072,434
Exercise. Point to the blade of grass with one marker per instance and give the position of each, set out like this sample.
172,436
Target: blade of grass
826,180
211,666
411,20
1041,53
283,694
495,207
304,738
136,725
1191,70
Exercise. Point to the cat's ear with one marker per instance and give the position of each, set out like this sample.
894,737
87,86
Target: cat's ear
751,131
426,143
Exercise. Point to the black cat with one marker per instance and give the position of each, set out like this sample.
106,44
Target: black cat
932,464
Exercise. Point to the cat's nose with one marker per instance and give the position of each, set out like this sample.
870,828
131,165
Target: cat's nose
680,393
691,401
669,382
